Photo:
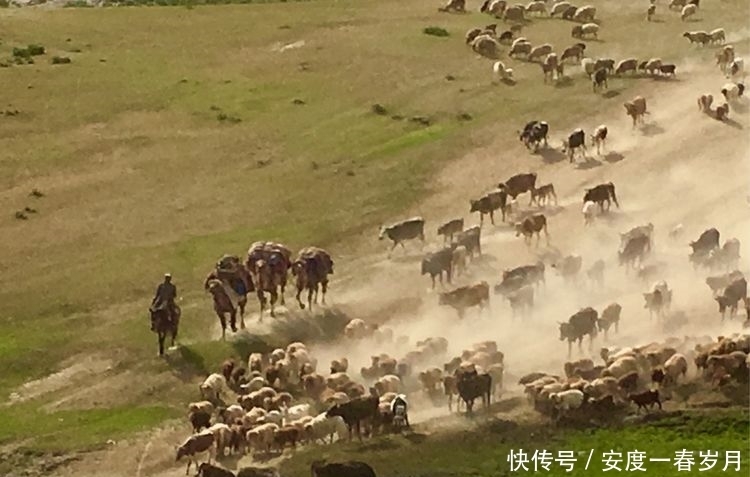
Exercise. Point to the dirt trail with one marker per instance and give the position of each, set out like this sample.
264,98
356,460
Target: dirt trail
682,167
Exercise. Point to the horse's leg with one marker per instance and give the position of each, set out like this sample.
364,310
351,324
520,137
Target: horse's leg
223,321
162,335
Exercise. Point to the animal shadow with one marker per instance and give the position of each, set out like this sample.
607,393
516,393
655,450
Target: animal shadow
613,157
740,107
733,123
651,129
657,20
588,163
508,82
564,82
551,155
611,93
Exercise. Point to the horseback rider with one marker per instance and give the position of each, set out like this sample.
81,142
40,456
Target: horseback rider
166,293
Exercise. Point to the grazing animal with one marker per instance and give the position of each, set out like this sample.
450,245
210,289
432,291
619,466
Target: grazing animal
470,238
600,194
600,79
354,412
454,6
436,263
541,195
559,7
493,7
450,228
605,63
736,67
589,212
650,12
569,266
536,6
465,297
579,31
528,274
624,66
569,12
610,316
575,51
585,14
599,138
596,272
704,102
725,57
641,230
550,67
399,232
722,111
700,37
520,48
732,91
540,51
518,184
736,291
650,66
522,299
589,66
636,109
635,249
704,246
531,225
488,204
196,444
471,386
688,11
534,133
514,14
576,141
580,324
658,300
349,468
718,36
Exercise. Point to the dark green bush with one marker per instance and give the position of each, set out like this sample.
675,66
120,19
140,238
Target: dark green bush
435,31
60,60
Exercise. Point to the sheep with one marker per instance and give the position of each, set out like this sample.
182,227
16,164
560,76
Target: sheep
255,362
588,211
540,51
567,400
500,72
356,328
520,39
559,7
494,7
337,380
231,414
339,365
261,437
732,91
252,417
536,6
222,437
621,367
677,4
522,48
213,387
650,12
650,66
575,52
675,366
724,57
505,36
550,65
587,64
602,387
197,444
514,13
700,37
203,406
688,11
486,46
254,384
322,426
199,420
579,31
667,69
605,64
585,14
569,12
296,412
647,398
718,36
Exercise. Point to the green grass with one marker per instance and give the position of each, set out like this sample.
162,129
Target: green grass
140,176
483,452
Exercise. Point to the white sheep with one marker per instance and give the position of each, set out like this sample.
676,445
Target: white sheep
675,366
204,406
272,417
718,35
536,6
322,426
589,211
297,412
499,71
337,380
261,437
222,437
621,367
213,387
355,329
277,355
550,389
388,383
559,7
585,13
255,362
688,11
251,418
736,68
520,39
602,387
231,414
567,400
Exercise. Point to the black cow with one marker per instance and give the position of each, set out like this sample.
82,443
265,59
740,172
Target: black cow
437,263
488,204
601,194
470,238
406,230
576,141
600,79
635,249
534,133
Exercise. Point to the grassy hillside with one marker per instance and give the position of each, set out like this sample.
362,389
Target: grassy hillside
483,451
178,134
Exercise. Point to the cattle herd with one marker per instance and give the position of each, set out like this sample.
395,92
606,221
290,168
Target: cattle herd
265,403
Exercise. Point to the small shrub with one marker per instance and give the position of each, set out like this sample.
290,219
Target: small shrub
4,4
35,50
21,53
435,31
379,109
60,60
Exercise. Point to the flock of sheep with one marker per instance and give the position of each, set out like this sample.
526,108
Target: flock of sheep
265,403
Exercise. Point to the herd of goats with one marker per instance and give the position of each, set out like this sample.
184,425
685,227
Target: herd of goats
264,403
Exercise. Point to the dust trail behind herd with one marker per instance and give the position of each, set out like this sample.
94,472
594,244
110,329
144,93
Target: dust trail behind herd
682,167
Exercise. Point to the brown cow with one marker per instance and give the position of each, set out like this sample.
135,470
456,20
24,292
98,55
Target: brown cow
541,195
448,229
196,444
488,204
466,297
533,224
636,109
518,184
408,229
470,238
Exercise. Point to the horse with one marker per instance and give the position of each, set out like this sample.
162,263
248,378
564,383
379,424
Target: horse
223,305
163,324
